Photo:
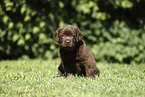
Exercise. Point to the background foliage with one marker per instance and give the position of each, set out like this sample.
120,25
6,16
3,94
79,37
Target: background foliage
113,29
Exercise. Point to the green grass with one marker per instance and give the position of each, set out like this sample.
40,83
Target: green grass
38,78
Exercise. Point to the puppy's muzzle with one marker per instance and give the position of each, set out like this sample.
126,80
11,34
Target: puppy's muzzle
67,42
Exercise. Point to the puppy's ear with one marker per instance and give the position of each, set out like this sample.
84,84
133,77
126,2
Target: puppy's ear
79,34
55,35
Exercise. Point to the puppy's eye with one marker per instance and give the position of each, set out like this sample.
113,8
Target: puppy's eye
73,36
62,35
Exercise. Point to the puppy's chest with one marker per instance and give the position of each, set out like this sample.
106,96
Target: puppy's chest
69,57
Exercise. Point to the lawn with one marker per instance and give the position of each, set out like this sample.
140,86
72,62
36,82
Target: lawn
38,78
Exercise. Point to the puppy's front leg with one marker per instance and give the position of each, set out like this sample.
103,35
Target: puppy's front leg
60,70
68,71
68,74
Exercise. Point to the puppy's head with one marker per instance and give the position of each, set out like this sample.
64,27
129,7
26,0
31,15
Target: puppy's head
68,36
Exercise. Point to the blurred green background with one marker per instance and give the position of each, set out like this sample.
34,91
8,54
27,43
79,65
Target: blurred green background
114,30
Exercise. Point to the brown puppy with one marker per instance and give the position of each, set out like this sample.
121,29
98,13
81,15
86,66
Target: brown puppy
76,58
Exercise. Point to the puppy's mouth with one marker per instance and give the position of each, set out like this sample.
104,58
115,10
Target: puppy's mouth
64,45
67,47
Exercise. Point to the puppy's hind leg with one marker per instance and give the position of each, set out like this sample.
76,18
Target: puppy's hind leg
97,72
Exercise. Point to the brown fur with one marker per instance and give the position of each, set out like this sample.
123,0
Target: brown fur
76,58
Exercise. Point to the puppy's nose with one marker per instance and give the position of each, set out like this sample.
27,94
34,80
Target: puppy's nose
67,41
